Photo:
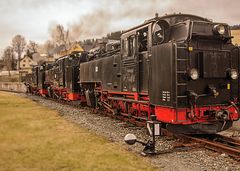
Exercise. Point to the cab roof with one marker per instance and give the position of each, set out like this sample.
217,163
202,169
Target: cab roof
171,19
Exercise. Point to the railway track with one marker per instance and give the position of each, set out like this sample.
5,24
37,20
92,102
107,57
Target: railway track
215,142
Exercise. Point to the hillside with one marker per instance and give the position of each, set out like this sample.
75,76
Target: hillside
236,34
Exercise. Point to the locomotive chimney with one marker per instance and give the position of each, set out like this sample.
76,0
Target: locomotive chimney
156,15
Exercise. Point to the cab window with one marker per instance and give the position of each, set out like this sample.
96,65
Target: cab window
142,39
128,46
158,33
125,47
131,46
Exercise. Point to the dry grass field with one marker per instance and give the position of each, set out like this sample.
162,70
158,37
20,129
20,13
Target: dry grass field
33,137
12,78
236,34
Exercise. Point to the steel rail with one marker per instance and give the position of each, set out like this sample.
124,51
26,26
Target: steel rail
230,147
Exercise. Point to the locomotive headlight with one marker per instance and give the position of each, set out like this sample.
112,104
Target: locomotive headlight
219,29
193,74
233,74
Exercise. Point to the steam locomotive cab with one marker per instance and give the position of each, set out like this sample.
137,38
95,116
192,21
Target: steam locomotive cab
62,80
34,83
42,82
72,63
194,83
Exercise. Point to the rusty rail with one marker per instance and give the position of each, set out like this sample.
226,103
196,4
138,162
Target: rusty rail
216,142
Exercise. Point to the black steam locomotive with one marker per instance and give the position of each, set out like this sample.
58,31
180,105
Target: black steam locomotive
182,68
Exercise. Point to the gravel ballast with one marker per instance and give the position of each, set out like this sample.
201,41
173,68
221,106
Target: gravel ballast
115,130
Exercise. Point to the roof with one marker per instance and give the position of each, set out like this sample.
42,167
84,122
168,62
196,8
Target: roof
25,56
171,19
75,48
61,50
113,41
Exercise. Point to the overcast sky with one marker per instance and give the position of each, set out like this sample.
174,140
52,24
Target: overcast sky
34,18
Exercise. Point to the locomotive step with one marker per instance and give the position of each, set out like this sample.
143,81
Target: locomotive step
179,59
181,72
181,84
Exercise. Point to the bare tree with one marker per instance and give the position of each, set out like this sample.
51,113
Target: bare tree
48,47
8,59
60,36
18,43
32,47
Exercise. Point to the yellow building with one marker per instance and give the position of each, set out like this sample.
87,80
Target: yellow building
61,51
26,64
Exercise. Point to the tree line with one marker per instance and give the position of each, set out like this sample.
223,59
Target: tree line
58,36
19,45
235,27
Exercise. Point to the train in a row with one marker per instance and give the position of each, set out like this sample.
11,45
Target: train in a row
182,68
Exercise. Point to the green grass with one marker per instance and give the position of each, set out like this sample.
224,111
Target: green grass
33,137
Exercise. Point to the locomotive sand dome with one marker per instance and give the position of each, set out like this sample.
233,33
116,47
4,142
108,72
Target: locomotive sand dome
177,67
182,68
